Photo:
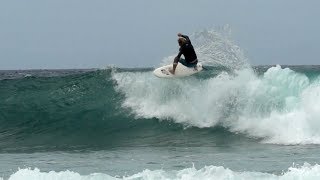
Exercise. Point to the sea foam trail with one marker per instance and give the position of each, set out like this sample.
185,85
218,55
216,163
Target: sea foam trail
306,172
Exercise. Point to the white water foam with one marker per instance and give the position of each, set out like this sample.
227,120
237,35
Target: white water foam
306,172
281,107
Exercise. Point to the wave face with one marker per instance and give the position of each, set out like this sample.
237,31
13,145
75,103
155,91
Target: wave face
58,111
106,108
209,172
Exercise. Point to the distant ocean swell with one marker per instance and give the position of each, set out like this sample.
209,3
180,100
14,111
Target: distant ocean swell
306,171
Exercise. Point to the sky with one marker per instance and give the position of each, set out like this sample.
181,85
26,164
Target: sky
56,34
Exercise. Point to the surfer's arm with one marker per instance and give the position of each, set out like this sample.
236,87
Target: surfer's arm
186,37
178,56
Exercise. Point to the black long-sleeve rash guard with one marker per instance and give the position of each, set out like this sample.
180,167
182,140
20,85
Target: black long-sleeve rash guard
187,50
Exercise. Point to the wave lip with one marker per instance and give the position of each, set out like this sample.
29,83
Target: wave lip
306,171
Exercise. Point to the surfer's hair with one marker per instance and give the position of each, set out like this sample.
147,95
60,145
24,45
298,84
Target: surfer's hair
182,40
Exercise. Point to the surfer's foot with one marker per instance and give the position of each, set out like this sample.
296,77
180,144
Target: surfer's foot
196,68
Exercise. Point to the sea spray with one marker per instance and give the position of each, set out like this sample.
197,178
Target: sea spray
215,47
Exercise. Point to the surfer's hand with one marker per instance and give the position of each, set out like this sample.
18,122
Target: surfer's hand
179,34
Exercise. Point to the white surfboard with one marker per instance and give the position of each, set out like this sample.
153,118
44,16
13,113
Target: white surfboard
181,71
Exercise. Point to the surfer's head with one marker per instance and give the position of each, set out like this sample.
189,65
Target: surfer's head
182,41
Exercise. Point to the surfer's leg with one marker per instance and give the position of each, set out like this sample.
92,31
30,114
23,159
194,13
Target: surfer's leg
194,64
189,65
183,62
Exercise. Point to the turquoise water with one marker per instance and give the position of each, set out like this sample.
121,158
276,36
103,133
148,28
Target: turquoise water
247,123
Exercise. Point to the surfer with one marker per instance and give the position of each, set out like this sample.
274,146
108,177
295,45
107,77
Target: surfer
188,52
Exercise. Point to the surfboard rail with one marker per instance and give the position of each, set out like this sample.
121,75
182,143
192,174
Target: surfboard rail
181,71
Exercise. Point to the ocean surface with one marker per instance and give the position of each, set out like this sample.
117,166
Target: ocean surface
251,123
230,121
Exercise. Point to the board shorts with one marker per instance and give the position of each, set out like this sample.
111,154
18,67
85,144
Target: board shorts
184,62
